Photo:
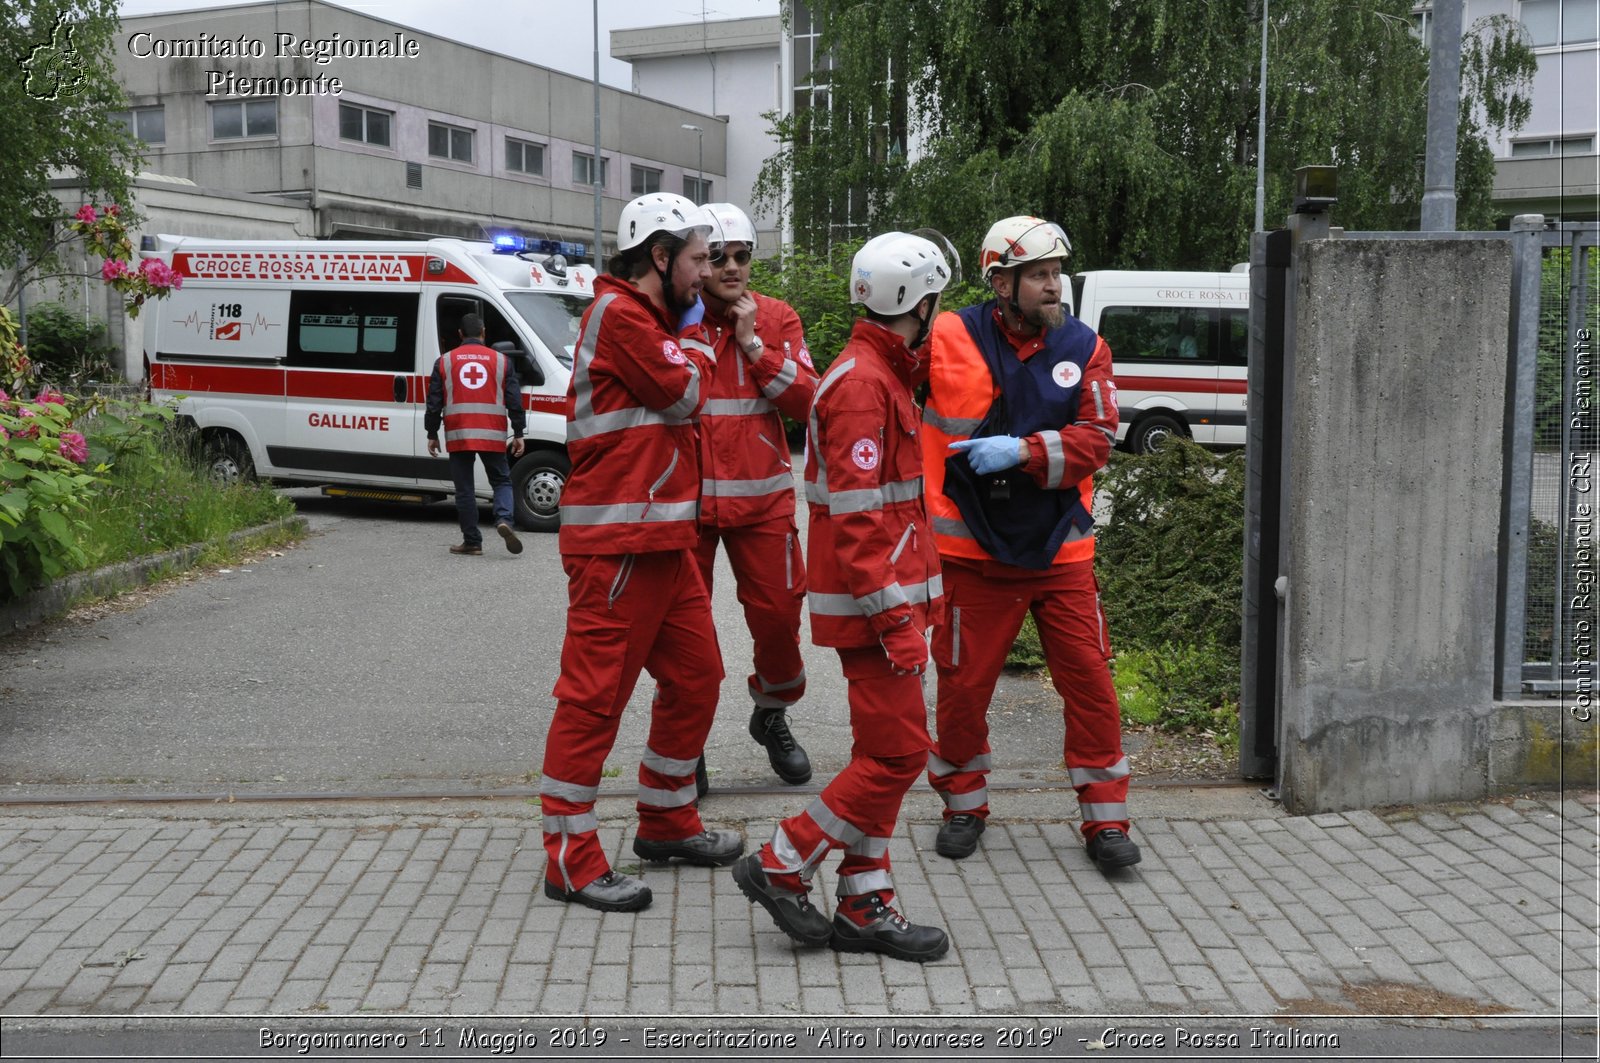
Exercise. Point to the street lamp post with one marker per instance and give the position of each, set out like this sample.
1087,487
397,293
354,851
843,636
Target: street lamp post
700,165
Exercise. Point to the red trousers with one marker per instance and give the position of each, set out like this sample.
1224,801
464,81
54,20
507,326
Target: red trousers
627,612
770,571
984,606
856,812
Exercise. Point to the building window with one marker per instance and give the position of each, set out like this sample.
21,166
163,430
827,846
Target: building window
244,118
646,180
449,142
364,124
1422,25
1548,146
149,124
697,188
524,156
583,169
1553,22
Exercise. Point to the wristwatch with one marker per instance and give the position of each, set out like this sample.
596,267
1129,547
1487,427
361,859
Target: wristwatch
754,348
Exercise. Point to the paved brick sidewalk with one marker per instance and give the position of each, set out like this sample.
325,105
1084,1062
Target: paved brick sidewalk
310,910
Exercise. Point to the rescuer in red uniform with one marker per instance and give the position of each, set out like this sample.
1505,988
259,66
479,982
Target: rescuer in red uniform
474,390
874,590
628,531
1021,412
747,481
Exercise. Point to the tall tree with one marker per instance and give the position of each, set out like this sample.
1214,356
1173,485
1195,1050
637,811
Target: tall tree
1133,122
56,120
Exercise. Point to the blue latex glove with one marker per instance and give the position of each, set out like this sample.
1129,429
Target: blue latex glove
991,453
693,315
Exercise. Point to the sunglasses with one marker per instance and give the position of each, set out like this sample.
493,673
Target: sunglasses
742,258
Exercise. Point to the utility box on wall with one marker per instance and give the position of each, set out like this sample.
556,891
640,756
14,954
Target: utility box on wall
1397,424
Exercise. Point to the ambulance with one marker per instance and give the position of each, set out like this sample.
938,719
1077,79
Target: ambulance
1178,343
307,361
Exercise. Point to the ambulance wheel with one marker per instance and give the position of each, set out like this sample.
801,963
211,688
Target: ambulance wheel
227,458
1152,430
536,484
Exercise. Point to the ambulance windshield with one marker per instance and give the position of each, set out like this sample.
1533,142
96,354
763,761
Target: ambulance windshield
554,318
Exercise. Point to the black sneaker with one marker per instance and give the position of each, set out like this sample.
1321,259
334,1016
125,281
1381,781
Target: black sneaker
886,931
793,912
770,727
958,836
709,848
1111,849
610,892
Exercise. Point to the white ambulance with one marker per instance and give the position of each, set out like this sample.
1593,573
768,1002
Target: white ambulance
307,361
1178,344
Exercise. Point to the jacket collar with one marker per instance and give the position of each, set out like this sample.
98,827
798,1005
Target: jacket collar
888,346
1023,345
608,284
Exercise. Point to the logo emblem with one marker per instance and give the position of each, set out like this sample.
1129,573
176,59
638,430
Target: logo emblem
473,375
229,331
863,291
865,454
671,353
1111,393
1067,374
805,357
54,68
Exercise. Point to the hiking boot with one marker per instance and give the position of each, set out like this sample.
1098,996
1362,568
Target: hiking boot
793,912
770,727
709,848
466,548
958,836
610,892
884,930
1111,849
702,781
512,542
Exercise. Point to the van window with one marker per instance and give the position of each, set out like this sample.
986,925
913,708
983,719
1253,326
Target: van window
449,311
554,318
1235,337
1158,333
371,331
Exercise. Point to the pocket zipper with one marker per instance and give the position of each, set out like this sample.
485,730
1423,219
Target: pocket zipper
650,499
909,535
620,584
788,562
781,459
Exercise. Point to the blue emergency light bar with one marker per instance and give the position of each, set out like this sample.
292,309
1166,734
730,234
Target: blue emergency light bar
512,244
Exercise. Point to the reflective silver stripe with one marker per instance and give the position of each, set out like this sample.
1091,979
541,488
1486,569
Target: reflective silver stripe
938,767
966,802
1055,458
599,424
865,882
767,701
492,409
747,488
788,856
832,825
876,602
780,383
666,765
735,407
977,763
789,684
1099,403
1097,813
955,636
685,795
865,499
950,426
691,395
835,371
1107,432
870,847
582,823
629,513
567,791
954,527
1085,776
708,351
582,388
493,435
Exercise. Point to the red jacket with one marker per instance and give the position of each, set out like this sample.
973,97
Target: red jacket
746,476
871,562
635,391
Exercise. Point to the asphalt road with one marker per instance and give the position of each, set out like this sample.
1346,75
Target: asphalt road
367,659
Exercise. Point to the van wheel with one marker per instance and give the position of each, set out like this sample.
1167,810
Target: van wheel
227,458
536,484
1153,430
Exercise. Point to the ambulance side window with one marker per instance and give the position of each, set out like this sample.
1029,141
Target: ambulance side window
1158,333
1235,337
497,331
372,331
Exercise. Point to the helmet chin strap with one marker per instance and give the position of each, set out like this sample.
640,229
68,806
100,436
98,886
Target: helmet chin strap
924,326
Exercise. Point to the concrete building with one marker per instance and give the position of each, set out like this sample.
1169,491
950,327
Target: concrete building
730,68
384,130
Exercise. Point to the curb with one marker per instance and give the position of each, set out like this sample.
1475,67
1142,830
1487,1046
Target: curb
47,603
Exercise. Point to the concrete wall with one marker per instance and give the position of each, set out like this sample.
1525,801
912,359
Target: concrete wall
1397,423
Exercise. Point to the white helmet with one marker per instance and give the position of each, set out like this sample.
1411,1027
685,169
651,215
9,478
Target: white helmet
659,212
730,224
893,272
1021,240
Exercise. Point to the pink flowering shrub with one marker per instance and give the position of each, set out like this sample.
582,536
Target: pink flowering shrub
105,234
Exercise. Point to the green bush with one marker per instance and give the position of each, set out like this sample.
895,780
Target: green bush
67,350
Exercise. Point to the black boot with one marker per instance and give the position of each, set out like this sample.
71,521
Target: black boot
771,728
885,931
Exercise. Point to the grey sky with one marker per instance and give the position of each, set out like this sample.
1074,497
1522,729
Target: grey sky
548,32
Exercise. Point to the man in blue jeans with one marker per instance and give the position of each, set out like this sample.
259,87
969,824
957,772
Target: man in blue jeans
467,391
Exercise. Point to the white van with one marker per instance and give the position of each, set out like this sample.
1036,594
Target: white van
307,361
1178,343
